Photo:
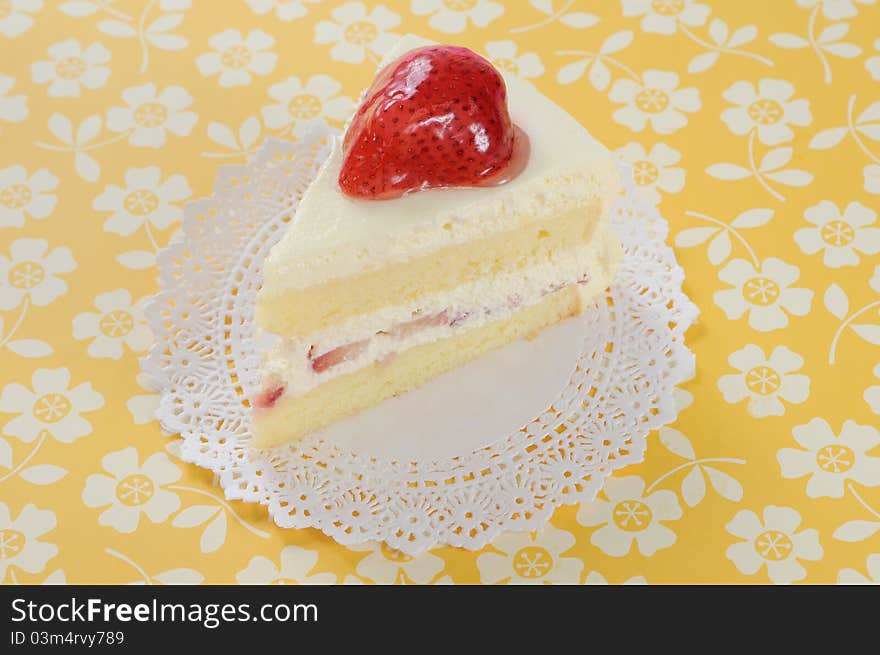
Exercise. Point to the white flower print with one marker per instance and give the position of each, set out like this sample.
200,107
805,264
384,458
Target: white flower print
831,460
20,544
117,322
871,173
236,57
296,106
766,294
52,406
531,558
143,407
72,67
682,397
840,237
386,565
873,65
151,113
765,382
774,542
837,9
664,16
145,199
57,577
295,568
596,578
656,99
872,394
12,108
286,10
851,576
357,34
132,489
630,515
504,55
451,16
15,16
32,273
173,5
769,109
653,171
23,196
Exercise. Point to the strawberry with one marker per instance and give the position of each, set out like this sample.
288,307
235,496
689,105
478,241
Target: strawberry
338,355
436,117
268,396
403,330
349,351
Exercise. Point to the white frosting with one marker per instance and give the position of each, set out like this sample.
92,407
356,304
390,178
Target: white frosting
335,236
486,300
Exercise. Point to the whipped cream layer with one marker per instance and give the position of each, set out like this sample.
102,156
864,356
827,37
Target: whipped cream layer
292,363
334,236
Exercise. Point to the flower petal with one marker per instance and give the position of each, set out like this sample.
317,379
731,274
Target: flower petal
745,557
121,462
16,398
745,525
259,571
160,469
783,519
100,490
612,541
656,537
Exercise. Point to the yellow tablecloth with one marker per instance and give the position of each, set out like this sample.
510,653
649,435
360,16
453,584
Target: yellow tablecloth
754,125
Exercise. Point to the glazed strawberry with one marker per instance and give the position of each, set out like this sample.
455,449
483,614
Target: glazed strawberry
436,117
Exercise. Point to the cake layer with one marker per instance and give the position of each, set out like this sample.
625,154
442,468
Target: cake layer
300,364
334,237
300,312
292,417
368,299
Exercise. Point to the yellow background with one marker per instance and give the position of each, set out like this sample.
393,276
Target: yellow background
89,552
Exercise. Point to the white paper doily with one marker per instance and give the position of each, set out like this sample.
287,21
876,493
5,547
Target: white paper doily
205,363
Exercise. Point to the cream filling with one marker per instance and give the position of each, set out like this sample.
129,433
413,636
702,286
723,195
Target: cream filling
290,362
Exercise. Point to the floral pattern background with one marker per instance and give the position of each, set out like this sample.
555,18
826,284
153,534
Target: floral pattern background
754,126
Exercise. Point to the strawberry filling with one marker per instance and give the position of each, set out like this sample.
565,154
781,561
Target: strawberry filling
322,362
350,351
337,356
268,396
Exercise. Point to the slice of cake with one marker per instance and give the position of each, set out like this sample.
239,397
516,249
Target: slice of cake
462,210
